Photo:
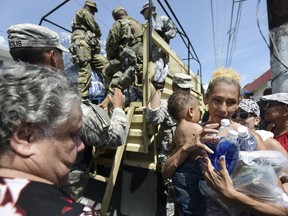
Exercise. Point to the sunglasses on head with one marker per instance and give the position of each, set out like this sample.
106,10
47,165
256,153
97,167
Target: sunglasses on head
242,115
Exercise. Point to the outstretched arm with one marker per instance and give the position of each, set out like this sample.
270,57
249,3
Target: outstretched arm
221,183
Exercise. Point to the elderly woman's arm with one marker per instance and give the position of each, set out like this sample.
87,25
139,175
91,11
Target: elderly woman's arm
221,182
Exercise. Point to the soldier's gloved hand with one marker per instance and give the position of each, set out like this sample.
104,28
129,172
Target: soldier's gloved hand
160,71
161,33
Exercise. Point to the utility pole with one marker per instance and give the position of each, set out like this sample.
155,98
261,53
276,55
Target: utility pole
278,28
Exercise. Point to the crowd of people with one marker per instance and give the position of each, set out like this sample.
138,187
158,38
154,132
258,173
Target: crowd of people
46,119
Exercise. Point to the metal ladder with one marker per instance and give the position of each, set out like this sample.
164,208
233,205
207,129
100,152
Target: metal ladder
111,180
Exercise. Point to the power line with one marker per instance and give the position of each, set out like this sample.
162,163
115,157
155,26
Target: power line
106,7
235,32
229,32
213,29
270,48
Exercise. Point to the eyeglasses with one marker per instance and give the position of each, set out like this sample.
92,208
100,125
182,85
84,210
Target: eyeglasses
242,115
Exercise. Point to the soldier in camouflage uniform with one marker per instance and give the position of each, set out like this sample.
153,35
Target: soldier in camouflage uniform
27,41
124,47
85,45
157,113
163,26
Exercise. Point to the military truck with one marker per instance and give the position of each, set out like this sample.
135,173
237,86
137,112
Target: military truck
139,149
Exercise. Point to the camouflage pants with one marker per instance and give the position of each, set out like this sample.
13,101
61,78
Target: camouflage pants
87,58
116,77
98,63
157,53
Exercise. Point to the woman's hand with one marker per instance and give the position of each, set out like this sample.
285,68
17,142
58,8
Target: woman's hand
207,135
219,181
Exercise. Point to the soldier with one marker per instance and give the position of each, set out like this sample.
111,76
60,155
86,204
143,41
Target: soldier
162,25
39,45
124,46
85,45
157,113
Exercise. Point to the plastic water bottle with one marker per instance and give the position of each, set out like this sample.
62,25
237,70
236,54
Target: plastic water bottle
229,147
225,127
247,141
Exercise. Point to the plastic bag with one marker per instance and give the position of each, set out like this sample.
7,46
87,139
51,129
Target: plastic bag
231,208
161,71
254,159
262,184
256,175
96,89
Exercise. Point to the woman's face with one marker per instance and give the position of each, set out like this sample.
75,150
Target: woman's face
222,101
57,154
244,118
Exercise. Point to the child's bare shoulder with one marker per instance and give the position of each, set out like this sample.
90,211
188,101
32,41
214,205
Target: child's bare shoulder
195,128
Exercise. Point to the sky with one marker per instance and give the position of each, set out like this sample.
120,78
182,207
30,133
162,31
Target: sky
250,54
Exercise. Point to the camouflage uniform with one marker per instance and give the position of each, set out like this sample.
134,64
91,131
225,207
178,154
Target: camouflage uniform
101,131
85,48
166,29
168,125
163,26
167,128
124,44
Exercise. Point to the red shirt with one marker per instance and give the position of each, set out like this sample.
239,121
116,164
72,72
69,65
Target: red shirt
282,139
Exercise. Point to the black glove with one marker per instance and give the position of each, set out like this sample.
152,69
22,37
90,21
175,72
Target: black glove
157,85
161,33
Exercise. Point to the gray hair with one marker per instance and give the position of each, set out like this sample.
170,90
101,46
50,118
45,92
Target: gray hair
36,97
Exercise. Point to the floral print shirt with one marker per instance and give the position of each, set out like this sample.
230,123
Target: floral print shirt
19,197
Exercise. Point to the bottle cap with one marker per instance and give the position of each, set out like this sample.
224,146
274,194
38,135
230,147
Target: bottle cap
225,122
232,134
243,131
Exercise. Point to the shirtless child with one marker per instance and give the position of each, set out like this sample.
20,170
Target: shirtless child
183,107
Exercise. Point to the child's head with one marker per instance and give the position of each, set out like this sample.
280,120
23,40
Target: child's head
182,104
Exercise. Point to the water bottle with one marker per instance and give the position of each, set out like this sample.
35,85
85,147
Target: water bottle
229,147
225,127
247,141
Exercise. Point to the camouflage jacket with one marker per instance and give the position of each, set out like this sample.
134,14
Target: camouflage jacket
125,32
83,20
99,130
167,123
164,26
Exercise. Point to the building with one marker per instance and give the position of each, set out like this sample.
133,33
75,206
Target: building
256,88
5,57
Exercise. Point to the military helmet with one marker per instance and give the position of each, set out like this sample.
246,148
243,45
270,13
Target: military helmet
91,3
114,12
146,5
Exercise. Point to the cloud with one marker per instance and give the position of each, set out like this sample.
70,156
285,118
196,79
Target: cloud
3,42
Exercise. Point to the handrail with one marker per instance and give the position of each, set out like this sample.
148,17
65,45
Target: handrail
50,12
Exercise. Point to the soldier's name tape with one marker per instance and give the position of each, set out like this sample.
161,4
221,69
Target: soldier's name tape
33,43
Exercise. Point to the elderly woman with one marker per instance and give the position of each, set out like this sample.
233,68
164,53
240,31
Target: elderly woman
40,123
